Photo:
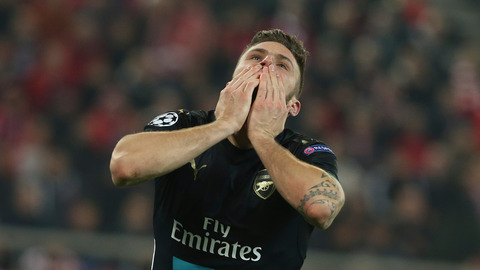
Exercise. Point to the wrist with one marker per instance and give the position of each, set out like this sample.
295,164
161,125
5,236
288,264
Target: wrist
261,138
224,127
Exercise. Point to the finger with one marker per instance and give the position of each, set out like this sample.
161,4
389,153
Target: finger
250,86
254,70
252,73
270,89
273,82
249,83
246,74
262,87
276,85
282,93
235,80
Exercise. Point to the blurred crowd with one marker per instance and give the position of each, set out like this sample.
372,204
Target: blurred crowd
390,85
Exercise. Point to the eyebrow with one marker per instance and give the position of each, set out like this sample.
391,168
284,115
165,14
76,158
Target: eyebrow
278,55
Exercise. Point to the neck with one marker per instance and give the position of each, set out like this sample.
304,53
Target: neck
240,139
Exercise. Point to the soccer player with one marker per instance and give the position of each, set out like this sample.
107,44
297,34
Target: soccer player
235,189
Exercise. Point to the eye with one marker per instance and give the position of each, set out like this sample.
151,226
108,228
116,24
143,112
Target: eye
283,66
256,58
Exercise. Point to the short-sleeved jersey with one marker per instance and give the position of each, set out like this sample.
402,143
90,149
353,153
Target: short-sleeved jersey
222,211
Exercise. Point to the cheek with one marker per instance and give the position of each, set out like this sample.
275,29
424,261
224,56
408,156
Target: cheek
288,82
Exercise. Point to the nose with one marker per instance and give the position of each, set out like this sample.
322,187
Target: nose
266,61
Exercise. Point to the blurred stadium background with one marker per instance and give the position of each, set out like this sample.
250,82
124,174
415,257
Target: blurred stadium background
392,85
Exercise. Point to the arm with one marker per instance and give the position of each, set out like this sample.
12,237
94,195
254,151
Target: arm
315,194
140,157
143,156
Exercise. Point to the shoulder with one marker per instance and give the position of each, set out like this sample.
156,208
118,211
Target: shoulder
306,144
179,119
310,150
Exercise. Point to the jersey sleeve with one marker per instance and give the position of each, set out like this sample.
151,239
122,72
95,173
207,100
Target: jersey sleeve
175,120
318,154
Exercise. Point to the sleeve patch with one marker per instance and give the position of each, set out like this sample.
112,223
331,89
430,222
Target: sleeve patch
164,120
317,148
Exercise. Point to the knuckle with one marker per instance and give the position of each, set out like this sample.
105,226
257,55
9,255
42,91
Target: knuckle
227,90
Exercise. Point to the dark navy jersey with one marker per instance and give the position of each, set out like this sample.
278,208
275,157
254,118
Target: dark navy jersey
222,211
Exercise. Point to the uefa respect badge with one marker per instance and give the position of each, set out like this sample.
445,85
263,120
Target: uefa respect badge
317,148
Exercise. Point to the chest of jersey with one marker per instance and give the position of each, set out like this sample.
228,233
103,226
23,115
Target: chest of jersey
224,204
232,186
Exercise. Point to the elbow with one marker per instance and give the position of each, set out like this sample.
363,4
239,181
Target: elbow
320,216
127,164
121,172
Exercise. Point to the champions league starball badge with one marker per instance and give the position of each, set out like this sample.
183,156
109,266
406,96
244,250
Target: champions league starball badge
165,120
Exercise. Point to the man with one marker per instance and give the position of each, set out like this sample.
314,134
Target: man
234,189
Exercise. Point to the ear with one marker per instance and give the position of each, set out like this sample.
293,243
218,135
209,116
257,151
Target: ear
293,107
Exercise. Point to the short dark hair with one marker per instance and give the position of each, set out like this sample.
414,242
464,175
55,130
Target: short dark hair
291,42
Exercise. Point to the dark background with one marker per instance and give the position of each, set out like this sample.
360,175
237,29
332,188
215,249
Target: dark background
392,86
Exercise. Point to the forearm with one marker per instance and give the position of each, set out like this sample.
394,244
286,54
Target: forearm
310,190
143,156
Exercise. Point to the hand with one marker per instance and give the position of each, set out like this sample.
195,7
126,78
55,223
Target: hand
269,111
235,99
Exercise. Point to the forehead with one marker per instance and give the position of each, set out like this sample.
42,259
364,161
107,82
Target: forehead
274,48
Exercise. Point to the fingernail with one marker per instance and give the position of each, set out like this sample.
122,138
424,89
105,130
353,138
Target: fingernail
272,67
249,67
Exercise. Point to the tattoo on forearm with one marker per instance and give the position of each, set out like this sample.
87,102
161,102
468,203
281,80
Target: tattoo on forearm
315,191
331,205
325,193
326,183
